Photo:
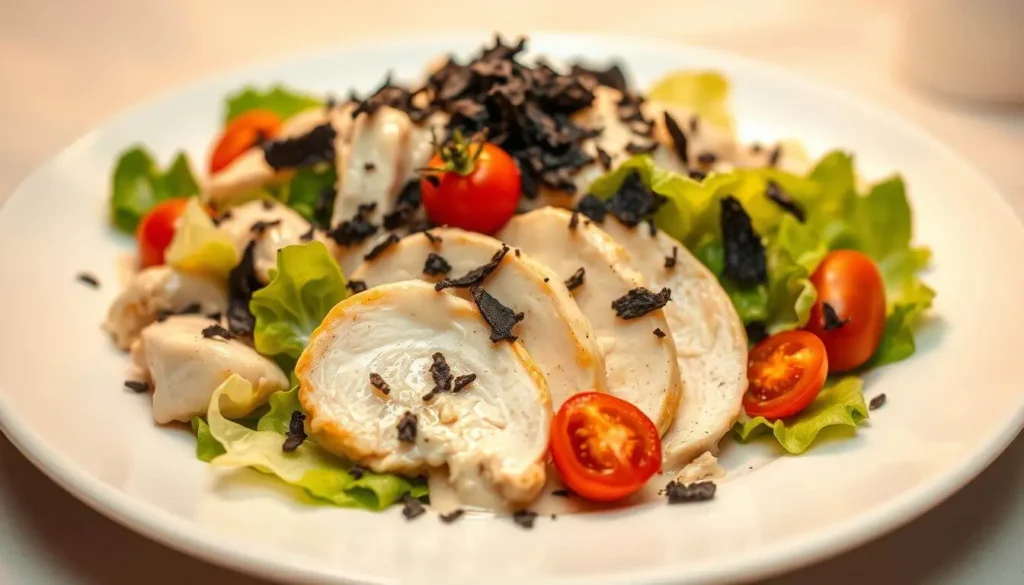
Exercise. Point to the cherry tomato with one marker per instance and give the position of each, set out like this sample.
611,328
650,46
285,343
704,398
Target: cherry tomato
785,372
476,192
156,230
852,286
243,132
604,448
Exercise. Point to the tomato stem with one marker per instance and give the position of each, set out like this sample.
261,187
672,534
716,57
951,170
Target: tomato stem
456,154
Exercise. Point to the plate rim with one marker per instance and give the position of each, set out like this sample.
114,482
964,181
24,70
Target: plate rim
179,534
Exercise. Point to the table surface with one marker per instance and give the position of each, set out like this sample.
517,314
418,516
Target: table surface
67,66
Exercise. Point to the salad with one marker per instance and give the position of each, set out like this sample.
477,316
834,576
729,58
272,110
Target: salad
510,285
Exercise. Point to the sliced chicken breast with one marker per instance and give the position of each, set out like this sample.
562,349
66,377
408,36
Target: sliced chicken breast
157,290
710,341
554,330
186,367
640,367
491,434
250,170
272,225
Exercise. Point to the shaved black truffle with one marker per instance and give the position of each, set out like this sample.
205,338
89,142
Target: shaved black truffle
679,141
830,319
452,516
216,330
441,372
405,207
697,175
756,331
88,279
500,318
613,76
260,227
745,260
562,493
136,386
476,276
524,518
576,280
296,432
434,239
659,333
463,381
412,508
242,282
592,207
378,382
407,428
707,158
436,265
670,261
877,402
307,236
356,471
634,202
604,158
355,230
356,286
784,201
695,492
574,220
384,244
640,301
774,156
316,146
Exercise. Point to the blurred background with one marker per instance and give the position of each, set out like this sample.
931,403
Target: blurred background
954,67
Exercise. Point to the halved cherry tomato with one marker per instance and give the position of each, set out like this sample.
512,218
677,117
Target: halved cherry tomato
852,286
156,230
476,186
785,372
241,133
604,447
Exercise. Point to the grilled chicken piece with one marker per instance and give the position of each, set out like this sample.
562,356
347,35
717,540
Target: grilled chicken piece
555,332
491,434
250,170
186,367
641,368
710,341
272,225
155,290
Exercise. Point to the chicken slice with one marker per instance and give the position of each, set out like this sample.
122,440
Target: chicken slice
640,367
555,332
250,170
186,367
710,341
491,434
157,290
272,225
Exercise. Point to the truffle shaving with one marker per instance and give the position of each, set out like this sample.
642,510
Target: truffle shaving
634,202
500,318
592,207
316,146
476,276
136,386
436,265
356,286
695,492
524,518
296,432
88,279
831,319
407,428
679,141
640,301
463,381
784,201
378,382
242,282
576,280
379,249
745,260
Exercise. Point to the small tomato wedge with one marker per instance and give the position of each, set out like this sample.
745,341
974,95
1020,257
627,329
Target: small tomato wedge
852,323
156,230
785,372
474,186
241,133
604,447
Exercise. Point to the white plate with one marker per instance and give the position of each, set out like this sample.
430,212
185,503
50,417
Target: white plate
952,408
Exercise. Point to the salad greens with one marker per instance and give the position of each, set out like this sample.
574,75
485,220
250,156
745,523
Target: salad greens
138,184
199,247
229,444
278,99
877,223
706,93
840,403
305,189
306,284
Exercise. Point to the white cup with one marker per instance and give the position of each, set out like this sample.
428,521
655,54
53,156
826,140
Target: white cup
968,48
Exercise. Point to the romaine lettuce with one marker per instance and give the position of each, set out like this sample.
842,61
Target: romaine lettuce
840,403
320,474
306,284
138,184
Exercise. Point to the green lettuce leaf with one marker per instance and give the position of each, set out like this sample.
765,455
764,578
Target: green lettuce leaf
278,99
199,247
138,184
303,190
309,467
279,416
705,93
306,284
840,403
207,448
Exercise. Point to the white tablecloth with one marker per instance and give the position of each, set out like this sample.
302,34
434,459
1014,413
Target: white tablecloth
67,66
